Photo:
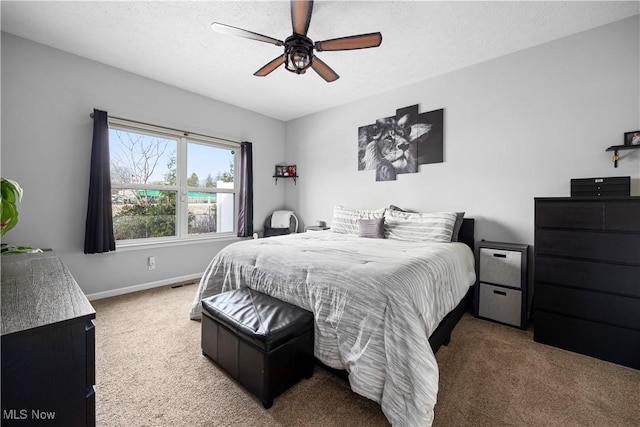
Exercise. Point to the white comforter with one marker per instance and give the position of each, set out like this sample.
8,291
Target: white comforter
375,302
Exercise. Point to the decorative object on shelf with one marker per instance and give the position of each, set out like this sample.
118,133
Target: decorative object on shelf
632,138
286,171
398,144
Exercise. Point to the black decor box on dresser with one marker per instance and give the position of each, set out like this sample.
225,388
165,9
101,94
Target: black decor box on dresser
587,276
48,344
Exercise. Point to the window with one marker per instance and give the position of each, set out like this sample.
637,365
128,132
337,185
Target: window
168,185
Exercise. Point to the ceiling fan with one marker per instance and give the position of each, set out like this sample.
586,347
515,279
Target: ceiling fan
298,48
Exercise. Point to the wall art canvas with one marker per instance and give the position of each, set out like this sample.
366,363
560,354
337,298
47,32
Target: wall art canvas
398,144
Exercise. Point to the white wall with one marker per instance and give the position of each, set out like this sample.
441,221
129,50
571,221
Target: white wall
517,127
47,96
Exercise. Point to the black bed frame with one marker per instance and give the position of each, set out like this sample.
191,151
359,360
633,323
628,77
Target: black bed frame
442,334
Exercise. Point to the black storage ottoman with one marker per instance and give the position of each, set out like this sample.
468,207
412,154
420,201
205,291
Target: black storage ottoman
264,343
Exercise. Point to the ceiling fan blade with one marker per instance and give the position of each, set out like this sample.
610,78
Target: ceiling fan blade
361,41
239,32
324,70
301,15
270,66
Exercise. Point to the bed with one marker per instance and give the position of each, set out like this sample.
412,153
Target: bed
381,306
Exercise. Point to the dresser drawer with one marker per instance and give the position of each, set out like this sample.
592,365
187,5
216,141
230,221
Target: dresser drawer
606,342
595,306
501,304
623,215
90,352
501,267
616,247
91,407
595,276
578,215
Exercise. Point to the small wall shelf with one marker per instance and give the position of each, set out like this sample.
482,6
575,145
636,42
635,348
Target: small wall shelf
295,177
286,171
616,148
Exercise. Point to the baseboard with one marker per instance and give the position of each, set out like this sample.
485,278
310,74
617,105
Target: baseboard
142,287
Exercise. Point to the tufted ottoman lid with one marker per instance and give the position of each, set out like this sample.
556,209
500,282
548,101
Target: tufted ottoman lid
263,320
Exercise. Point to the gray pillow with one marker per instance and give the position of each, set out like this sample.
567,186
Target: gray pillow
373,228
456,226
395,208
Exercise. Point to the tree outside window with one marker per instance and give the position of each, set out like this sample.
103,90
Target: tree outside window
148,176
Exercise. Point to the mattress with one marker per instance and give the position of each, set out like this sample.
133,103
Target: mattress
375,303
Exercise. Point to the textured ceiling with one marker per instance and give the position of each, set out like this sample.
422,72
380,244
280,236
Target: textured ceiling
172,42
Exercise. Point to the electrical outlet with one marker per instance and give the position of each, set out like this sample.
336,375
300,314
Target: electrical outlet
152,263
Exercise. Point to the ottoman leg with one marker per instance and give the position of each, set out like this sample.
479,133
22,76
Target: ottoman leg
268,404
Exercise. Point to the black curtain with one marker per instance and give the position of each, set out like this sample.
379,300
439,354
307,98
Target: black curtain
245,211
98,237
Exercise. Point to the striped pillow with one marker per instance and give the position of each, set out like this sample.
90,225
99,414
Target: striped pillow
345,220
419,227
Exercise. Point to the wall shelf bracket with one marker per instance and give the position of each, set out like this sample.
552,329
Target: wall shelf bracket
295,178
616,148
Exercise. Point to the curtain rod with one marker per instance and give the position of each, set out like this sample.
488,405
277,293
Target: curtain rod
184,132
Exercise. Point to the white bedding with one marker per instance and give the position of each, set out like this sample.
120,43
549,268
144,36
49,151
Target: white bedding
375,302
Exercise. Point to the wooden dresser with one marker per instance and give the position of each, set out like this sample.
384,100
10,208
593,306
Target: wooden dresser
587,276
48,344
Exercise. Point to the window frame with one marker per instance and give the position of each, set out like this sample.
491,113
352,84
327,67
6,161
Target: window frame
183,138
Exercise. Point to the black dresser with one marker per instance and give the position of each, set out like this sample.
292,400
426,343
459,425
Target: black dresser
48,344
587,276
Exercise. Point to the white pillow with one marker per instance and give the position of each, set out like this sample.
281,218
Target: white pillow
345,220
419,227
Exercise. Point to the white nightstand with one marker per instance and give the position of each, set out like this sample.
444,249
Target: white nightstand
502,289
315,228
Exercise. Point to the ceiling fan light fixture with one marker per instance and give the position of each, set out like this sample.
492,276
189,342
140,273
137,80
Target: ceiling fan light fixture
298,54
298,60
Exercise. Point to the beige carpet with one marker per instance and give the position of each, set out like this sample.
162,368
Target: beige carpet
150,372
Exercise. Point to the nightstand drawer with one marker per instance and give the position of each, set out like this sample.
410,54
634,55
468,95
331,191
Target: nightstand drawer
501,267
501,304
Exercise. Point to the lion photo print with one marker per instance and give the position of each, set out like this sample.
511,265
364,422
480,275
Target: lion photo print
398,144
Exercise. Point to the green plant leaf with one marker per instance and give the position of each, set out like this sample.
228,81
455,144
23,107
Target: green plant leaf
10,193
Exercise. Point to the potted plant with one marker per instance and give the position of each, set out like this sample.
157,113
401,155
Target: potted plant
10,194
